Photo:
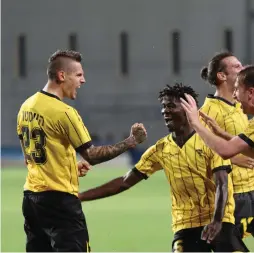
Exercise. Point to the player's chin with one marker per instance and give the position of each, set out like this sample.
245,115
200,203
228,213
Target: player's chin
74,95
171,128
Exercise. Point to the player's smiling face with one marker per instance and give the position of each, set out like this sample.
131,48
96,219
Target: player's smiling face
173,114
232,67
245,96
74,78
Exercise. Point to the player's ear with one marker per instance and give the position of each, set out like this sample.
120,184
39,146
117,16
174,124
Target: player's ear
60,75
221,76
251,95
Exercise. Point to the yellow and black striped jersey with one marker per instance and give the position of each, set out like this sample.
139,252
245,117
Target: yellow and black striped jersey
189,170
51,131
231,119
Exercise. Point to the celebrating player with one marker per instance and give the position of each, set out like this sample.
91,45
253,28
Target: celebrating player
221,72
201,191
50,133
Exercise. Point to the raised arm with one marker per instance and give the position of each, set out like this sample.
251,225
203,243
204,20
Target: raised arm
221,196
98,154
225,148
239,160
113,187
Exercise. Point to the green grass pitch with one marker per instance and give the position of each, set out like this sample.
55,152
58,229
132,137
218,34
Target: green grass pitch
138,220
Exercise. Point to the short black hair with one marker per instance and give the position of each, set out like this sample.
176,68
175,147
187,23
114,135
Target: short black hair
57,61
246,76
215,65
177,91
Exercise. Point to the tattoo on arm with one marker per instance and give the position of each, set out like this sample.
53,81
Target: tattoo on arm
95,155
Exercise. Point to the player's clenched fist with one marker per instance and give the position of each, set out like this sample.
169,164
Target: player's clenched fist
83,168
139,133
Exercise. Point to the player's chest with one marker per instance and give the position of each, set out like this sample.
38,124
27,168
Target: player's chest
184,161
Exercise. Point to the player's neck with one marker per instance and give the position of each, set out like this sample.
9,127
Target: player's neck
54,88
182,134
226,92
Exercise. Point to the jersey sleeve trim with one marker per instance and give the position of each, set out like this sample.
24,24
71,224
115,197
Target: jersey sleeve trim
84,146
223,167
247,140
139,173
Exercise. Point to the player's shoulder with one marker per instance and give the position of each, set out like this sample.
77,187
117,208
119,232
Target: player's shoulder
161,143
211,104
70,110
157,147
70,114
28,101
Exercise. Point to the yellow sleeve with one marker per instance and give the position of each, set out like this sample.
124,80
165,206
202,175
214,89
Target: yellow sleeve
73,126
248,134
217,163
149,162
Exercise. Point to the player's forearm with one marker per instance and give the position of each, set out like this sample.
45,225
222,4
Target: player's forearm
226,136
109,189
216,143
221,197
95,155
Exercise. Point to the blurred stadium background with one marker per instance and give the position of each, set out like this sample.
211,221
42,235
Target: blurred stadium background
131,49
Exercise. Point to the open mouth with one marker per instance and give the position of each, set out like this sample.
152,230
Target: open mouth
168,120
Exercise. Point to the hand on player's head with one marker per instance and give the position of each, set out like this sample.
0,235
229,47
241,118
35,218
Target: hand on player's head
139,133
83,168
190,108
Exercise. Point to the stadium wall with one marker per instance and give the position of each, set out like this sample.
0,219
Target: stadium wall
110,101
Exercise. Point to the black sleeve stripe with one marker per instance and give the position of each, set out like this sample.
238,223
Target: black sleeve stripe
87,133
65,131
223,167
20,136
74,127
139,173
247,140
84,146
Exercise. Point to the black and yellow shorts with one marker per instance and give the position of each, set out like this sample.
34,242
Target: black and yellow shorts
244,213
54,221
189,240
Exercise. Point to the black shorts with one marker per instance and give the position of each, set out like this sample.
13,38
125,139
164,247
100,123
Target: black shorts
244,205
54,221
244,212
189,240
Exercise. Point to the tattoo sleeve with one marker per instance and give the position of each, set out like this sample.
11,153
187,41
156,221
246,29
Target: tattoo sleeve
95,155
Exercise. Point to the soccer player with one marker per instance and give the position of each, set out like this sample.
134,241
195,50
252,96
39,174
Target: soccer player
51,132
221,73
225,144
201,191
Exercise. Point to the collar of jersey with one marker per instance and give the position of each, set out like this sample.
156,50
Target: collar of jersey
220,98
185,140
49,94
